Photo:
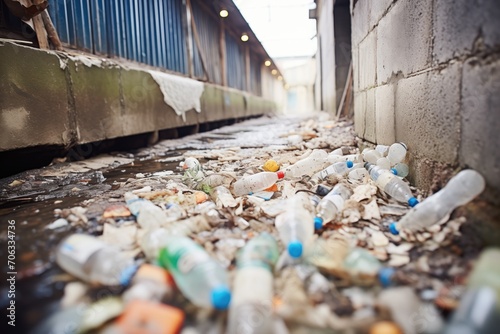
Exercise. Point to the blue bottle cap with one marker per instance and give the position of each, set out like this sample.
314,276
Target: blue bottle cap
221,296
295,249
412,202
127,273
385,276
394,171
349,163
393,228
318,223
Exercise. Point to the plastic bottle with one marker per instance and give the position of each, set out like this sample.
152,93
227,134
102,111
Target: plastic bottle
256,182
371,156
307,166
357,173
400,169
251,305
294,225
460,190
396,153
199,277
339,168
223,197
384,163
94,261
151,283
331,205
391,184
382,149
148,215
154,240
333,158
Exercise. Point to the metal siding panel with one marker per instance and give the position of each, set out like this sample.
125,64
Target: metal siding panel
235,64
99,24
83,30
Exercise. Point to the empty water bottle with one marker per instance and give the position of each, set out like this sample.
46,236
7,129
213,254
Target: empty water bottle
294,225
94,261
148,215
384,163
307,166
339,168
256,182
333,158
331,205
251,305
391,184
400,169
461,189
199,277
371,156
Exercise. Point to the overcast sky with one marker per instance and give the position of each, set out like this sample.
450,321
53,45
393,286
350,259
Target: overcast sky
282,26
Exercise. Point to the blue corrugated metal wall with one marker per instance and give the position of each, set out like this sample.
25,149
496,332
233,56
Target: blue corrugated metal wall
236,77
154,33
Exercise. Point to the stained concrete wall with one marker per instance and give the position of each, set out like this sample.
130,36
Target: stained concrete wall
47,98
427,72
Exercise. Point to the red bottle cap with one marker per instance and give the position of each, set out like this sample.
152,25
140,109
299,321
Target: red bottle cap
281,174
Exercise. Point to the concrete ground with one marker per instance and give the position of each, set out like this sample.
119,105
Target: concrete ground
319,294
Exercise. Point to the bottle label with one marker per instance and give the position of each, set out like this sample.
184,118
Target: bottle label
81,247
188,260
325,172
337,200
384,179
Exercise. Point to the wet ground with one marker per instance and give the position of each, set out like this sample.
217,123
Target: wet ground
434,265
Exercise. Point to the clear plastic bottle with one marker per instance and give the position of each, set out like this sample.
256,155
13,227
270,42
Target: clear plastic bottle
94,261
223,197
333,158
256,182
382,149
307,166
400,169
371,156
198,276
251,305
154,240
460,190
384,163
331,205
151,283
339,168
357,173
391,184
294,225
396,153
148,215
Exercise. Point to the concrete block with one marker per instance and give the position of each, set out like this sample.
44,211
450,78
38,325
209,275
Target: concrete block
96,95
384,114
404,39
33,99
427,114
377,10
480,139
458,24
359,113
370,123
355,69
360,21
368,61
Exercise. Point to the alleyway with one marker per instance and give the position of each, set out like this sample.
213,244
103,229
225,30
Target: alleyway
354,275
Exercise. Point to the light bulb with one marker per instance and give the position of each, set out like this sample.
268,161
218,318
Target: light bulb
244,37
223,13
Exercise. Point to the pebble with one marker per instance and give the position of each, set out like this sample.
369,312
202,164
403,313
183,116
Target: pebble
379,239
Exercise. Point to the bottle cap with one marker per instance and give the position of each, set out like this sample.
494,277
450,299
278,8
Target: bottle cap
318,223
393,228
367,165
295,249
385,276
280,174
127,273
412,202
221,296
394,171
349,163
321,190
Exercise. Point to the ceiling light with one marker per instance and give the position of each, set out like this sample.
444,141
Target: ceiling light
274,71
280,78
244,37
223,13
267,63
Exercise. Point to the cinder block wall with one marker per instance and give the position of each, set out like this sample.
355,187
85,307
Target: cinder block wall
427,72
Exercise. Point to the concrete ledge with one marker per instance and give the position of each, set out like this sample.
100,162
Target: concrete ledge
56,99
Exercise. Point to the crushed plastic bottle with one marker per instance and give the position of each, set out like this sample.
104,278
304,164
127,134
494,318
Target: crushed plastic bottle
331,205
357,173
256,182
460,190
223,197
199,277
151,283
94,261
397,153
391,184
294,225
333,158
339,168
307,166
148,215
251,305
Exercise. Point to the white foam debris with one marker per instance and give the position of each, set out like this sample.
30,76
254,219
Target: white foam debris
182,94
87,61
